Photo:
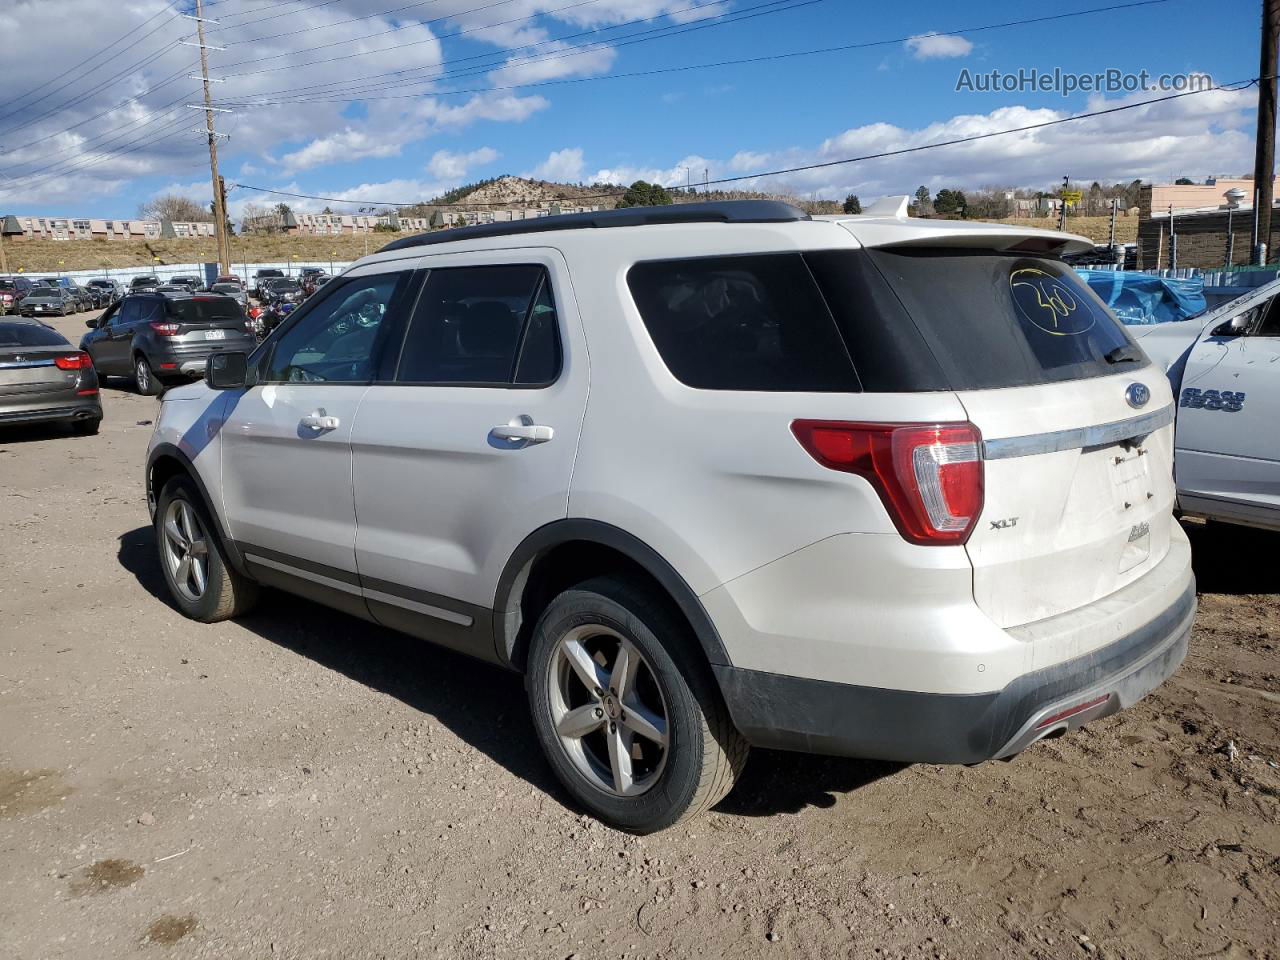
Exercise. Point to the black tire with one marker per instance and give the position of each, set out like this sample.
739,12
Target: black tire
227,593
86,427
144,378
705,753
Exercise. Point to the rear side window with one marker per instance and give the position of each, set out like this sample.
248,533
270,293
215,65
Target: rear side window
754,322
492,325
1001,320
203,310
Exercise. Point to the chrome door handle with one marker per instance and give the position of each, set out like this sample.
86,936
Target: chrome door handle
528,432
319,421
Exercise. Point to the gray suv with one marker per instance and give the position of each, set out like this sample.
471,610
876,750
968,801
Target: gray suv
156,337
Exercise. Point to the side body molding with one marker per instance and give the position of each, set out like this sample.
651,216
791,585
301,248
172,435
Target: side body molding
511,634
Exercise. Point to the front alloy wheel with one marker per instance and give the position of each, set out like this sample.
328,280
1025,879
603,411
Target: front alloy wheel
608,710
185,551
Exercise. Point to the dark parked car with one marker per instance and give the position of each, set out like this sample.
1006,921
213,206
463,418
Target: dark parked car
138,284
310,279
17,288
281,290
44,300
233,290
106,291
155,337
44,378
194,284
260,276
81,298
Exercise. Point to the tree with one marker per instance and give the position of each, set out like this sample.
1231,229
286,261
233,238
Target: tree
1185,182
642,194
922,200
282,210
949,202
174,207
852,204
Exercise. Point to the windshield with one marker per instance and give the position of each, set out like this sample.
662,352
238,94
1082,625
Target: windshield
100,283
29,335
231,288
285,286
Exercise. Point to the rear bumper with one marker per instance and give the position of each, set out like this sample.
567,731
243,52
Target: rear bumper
815,716
83,410
189,360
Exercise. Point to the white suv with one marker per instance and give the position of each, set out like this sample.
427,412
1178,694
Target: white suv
709,475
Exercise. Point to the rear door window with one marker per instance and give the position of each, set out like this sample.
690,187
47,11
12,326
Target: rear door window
996,319
754,322
483,326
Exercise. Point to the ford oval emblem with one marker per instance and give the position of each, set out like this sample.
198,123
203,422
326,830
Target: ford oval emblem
1137,395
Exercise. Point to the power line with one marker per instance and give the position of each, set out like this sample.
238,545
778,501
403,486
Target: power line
359,92
1232,87
659,32
86,63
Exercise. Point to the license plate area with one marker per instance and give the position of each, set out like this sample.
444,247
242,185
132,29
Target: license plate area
1131,481
215,335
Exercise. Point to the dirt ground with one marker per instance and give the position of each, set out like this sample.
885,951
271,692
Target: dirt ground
302,785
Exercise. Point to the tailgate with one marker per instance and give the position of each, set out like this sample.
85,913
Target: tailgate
206,319
1078,508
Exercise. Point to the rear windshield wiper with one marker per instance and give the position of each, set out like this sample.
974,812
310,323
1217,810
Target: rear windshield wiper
1120,354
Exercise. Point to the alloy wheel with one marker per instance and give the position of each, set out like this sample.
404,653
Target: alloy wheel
142,374
186,550
608,710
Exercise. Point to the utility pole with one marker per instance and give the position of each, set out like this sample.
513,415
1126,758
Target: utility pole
1264,160
1111,241
1062,205
219,204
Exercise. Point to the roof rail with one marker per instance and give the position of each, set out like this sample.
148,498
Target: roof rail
724,211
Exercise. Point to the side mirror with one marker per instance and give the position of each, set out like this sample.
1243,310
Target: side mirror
92,323
226,371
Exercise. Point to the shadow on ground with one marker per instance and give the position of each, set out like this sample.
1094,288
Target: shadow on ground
484,704
1233,560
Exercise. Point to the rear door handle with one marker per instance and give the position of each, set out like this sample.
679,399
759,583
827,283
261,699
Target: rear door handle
528,432
319,421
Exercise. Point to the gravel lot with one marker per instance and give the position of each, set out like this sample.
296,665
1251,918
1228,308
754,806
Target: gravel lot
302,784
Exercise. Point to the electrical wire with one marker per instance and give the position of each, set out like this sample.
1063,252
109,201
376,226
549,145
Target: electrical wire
85,64
1231,87
358,93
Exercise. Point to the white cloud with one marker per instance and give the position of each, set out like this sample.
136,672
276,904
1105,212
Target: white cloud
454,166
562,166
937,46
744,161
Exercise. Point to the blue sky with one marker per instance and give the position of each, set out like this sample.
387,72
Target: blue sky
730,120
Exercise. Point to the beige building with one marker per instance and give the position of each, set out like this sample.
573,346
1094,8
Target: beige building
1157,198
77,228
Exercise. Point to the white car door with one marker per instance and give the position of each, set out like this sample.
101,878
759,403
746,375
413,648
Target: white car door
1227,452
471,447
287,439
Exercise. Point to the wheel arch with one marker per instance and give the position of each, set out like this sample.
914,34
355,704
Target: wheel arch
166,461
565,552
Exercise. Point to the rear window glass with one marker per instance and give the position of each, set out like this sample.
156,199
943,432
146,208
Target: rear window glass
742,323
1001,320
30,335
204,310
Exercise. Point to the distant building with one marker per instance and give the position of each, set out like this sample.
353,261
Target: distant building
1158,197
337,223
76,228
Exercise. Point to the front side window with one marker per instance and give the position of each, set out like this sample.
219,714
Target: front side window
491,325
338,340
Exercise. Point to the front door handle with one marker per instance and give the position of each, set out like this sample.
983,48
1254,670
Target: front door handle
319,421
521,430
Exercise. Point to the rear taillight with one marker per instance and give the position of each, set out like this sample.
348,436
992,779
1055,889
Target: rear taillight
929,476
164,329
73,361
